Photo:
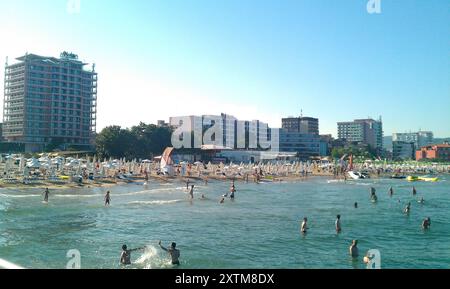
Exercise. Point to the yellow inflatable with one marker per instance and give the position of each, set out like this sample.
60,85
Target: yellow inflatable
423,179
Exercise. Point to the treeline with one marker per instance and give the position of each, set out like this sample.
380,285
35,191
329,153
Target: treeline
143,141
358,151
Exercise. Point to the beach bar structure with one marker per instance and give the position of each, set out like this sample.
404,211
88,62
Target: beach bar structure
50,100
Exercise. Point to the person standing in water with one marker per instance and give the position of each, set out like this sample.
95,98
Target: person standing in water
337,224
304,226
191,192
354,252
46,193
174,253
407,209
356,205
426,223
107,199
373,196
391,192
414,191
187,184
125,257
232,191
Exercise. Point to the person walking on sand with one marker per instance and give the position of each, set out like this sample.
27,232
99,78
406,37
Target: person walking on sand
107,199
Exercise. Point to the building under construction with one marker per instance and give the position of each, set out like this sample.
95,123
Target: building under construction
50,102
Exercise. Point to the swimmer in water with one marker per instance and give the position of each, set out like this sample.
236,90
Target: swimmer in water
174,253
356,205
125,257
338,224
407,209
391,192
426,223
222,200
304,226
354,252
421,201
373,196
414,191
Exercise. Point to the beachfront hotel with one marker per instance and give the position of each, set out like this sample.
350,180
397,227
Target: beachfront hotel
420,138
50,100
305,125
366,131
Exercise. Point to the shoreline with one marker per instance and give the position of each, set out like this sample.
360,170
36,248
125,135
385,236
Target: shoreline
109,183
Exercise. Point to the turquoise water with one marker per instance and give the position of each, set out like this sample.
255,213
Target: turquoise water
260,229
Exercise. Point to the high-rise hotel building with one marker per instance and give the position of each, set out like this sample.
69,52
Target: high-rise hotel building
50,100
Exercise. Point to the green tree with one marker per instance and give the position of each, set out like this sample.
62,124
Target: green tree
113,141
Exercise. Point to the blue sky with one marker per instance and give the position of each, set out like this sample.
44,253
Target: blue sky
252,59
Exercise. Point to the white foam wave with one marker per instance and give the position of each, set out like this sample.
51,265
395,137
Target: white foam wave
157,202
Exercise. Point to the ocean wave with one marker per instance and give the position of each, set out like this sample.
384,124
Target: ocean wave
74,196
154,191
157,202
19,196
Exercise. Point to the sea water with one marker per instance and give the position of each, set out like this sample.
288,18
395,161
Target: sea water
259,229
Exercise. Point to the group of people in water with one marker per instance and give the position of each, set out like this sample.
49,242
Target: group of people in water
426,223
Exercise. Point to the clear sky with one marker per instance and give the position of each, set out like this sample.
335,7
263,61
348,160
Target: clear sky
252,59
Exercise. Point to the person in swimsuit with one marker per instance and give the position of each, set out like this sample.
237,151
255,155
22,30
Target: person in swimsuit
407,209
107,199
304,226
174,253
232,191
354,252
191,192
125,257
426,223
46,193
391,192
338,224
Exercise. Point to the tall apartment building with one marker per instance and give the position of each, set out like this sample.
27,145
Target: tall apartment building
420,138
304,144
304,125
366,131
50,100
402,150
